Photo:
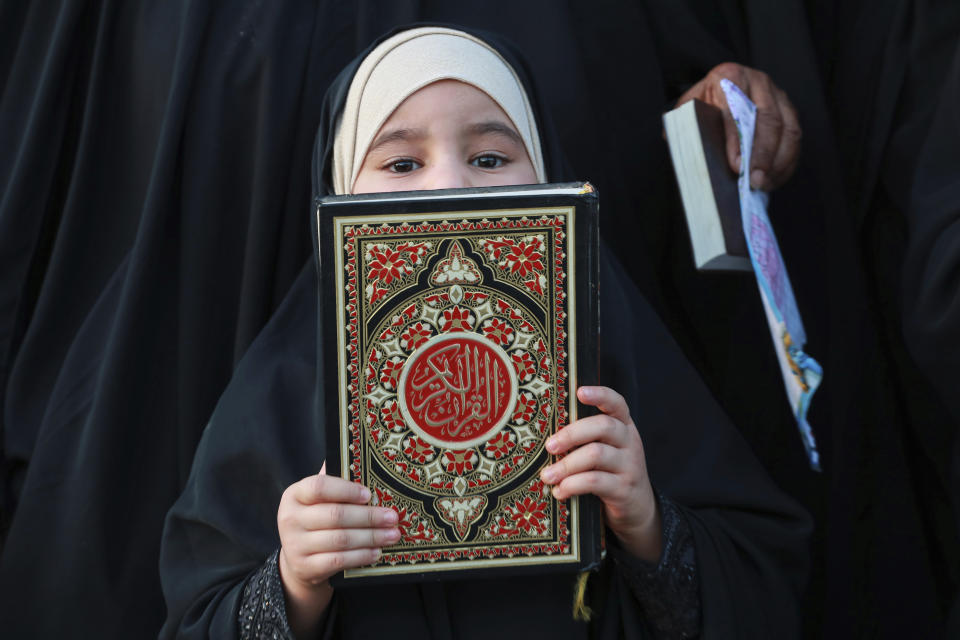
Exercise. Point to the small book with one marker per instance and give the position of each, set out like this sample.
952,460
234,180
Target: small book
708,187
456,326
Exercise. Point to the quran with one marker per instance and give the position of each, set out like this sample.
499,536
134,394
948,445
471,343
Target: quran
456,326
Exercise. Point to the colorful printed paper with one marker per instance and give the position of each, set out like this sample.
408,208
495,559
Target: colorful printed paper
801,373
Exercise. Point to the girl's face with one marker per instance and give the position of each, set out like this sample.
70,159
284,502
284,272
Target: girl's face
446,135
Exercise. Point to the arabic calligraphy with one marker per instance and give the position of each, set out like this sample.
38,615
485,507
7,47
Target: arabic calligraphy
457,390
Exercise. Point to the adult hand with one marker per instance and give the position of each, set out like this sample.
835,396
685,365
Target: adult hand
776,142
326,526
605,457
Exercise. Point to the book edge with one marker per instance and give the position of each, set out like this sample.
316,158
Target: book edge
686,152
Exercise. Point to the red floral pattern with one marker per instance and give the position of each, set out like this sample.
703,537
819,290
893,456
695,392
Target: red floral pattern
419,451
388,264
520,257
529,514
524,364
526,406
391,417
457,319
500,445
381,497
498,331
415,335
390,373
460,462
524,258
413,528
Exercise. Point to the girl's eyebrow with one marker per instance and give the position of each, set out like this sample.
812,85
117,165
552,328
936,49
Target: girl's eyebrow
495,127
397,135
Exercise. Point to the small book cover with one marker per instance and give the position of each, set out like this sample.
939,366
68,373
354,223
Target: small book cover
708,187
456,327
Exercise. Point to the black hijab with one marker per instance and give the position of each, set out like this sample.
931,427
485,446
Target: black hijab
265,435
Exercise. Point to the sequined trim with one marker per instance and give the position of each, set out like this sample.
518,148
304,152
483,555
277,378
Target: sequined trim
668,592
263,612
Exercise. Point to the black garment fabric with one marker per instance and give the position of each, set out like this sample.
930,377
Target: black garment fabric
883,75
153,177
931,278
931,274
266,433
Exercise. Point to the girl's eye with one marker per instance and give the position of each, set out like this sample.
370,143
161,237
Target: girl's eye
489,161
404,165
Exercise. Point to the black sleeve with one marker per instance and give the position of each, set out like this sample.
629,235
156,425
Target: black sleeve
263,611
668,592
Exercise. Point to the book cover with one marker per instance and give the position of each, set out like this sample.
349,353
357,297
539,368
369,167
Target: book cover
708,187
456,326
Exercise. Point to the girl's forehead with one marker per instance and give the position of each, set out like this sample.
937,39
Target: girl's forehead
446,101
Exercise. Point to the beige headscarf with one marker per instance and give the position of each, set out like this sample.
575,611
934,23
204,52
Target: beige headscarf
409,61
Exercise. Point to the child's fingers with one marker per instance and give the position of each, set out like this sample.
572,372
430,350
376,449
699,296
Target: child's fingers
335,540
323,488
593,456
602,428
602,484
338,515
606,400
320,566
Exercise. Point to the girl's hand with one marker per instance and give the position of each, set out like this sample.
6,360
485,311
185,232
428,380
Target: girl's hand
326,526
605,457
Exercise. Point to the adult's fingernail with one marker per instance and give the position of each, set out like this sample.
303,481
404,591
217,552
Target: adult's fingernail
548,475
364,494
552,445
756,178
390,517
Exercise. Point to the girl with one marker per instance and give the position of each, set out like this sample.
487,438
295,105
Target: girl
717,549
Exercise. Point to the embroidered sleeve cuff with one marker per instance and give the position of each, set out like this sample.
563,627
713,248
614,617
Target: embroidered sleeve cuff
668,592
263,612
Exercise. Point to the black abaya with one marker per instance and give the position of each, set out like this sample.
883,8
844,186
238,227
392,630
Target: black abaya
931,275
883,77
749,538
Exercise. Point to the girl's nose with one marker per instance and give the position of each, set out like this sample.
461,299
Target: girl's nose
447,176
